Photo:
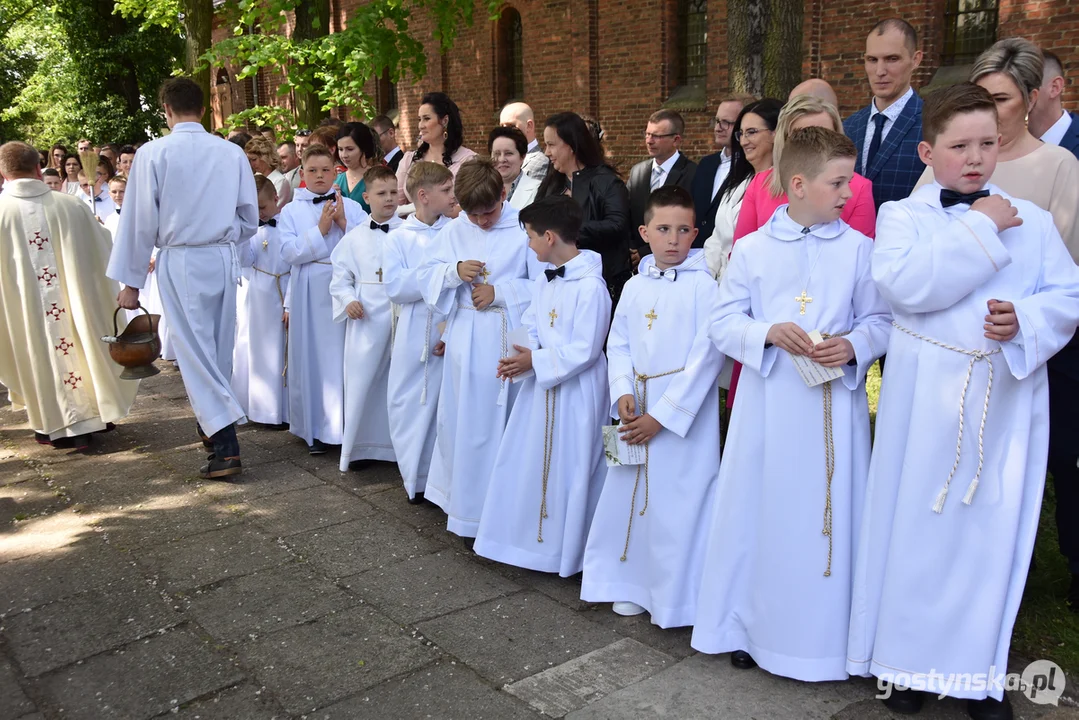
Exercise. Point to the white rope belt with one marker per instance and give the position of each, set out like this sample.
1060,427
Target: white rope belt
237,276
425,354
505,350
975,356
281,294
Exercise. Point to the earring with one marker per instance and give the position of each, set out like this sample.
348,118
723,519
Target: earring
445,135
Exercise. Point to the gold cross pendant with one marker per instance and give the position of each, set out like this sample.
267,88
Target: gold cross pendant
265,244
803,299
552,315
379,273
485,273
651,317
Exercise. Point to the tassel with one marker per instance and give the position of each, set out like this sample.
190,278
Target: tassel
969,497
502,394
423,395
423,353
938,506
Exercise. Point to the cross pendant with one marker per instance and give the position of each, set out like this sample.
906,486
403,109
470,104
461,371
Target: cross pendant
485,273
265,244
379,273
651,317
803,299
552,315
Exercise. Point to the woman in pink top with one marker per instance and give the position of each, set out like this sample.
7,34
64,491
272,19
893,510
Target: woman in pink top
765,192
441,138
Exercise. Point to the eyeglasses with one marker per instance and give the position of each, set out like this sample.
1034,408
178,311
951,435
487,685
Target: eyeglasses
658,136
303,133
722,124
749,133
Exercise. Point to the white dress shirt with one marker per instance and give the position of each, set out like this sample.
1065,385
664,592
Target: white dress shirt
389,156
892,113
1056,132
722,172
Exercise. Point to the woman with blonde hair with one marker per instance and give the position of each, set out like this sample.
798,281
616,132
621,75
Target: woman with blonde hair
765,192
264,160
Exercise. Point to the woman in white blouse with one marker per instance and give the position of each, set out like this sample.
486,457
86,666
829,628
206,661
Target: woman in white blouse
507,147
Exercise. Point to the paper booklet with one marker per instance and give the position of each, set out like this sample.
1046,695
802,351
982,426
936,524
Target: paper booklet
618,451
518,336
812,372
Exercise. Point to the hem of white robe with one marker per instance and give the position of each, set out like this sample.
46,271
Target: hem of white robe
326,438
82,427
457,526
664,617
383,453
865,668
415,487
519,557
820,669
278,419
220,421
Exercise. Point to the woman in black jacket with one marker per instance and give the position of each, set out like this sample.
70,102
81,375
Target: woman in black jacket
578,169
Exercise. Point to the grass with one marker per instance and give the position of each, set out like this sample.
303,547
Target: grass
1046,628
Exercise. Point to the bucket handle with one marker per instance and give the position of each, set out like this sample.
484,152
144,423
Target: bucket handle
115,315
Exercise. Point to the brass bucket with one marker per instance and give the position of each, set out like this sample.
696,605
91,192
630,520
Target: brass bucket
137,347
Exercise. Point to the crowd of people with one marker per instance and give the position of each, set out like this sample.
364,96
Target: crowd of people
481,320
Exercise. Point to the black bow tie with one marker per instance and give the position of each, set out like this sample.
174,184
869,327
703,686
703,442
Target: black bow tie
384,228
323,198
557,272
272,222
117,211
951,197
99,199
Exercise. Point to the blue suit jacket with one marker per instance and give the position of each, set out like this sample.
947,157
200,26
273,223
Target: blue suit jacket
896,166
702,196
1070,141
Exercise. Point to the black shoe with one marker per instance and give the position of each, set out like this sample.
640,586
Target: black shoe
42,439
1073,594
220,469
743,660
904,701
317,447
416,500
109,427
78,442
990,709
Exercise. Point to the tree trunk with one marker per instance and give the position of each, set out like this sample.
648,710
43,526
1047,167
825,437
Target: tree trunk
312,22
764,46
745,45
783,48
198,29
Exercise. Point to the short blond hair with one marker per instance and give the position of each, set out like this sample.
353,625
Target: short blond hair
478,185
426,175
18,160
265,150
796,108
809,150
264,185
118,178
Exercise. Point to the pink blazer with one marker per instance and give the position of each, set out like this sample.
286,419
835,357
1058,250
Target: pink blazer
758,205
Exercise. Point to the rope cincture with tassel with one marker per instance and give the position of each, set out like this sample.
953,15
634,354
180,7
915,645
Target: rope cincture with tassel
549,397
829,460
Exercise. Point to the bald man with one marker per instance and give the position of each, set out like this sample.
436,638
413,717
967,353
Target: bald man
817,88
520,116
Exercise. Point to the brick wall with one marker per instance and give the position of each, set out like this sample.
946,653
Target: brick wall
612,60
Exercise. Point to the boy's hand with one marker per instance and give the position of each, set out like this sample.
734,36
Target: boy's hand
467,270
511,367
128,298
1001,324
833,352
999,210
790,337
153,264
325,220
627,409
439,349
339,209
284,318
482,296
641,430
354,310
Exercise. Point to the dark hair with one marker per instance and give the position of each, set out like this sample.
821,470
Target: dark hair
944,104
382,123
291,144
183,95
114,147
51,172
63,165
325,136
1052,62
444,107
379,172
513,134
557,213
478,186
362,136
910,35
104,162
572,130
678,123
241,140
126,150
668,196
741,169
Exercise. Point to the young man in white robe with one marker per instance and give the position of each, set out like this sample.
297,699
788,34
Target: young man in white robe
646,547
416,359
550,466
310,227
983,292
57,305
117,188
776,584
481,283
192,196
258,373
360,301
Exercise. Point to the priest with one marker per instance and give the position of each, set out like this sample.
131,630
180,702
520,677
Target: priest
57,306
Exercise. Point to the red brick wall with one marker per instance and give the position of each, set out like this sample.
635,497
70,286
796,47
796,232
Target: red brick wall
612,60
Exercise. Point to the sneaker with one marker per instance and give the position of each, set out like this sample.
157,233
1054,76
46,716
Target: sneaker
42,439
627,609
317,448
220,469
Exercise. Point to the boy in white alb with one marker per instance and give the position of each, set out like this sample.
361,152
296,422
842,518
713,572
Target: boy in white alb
983,292
483,300
311,226
258,367
646,546
360,300
776,584
117,186
416,360
550,466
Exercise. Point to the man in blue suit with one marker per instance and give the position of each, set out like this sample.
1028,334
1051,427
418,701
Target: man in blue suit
887,132
714,168
1052,124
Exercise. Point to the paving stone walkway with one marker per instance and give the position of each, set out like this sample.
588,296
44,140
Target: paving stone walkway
131,589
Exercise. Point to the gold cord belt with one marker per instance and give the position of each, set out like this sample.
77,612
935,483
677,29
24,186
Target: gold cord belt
829,460
548,450
505,351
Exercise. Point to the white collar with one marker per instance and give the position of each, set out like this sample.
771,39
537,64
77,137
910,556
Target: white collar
1056,131
388,156
724,157
892,111
666,165
532,146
